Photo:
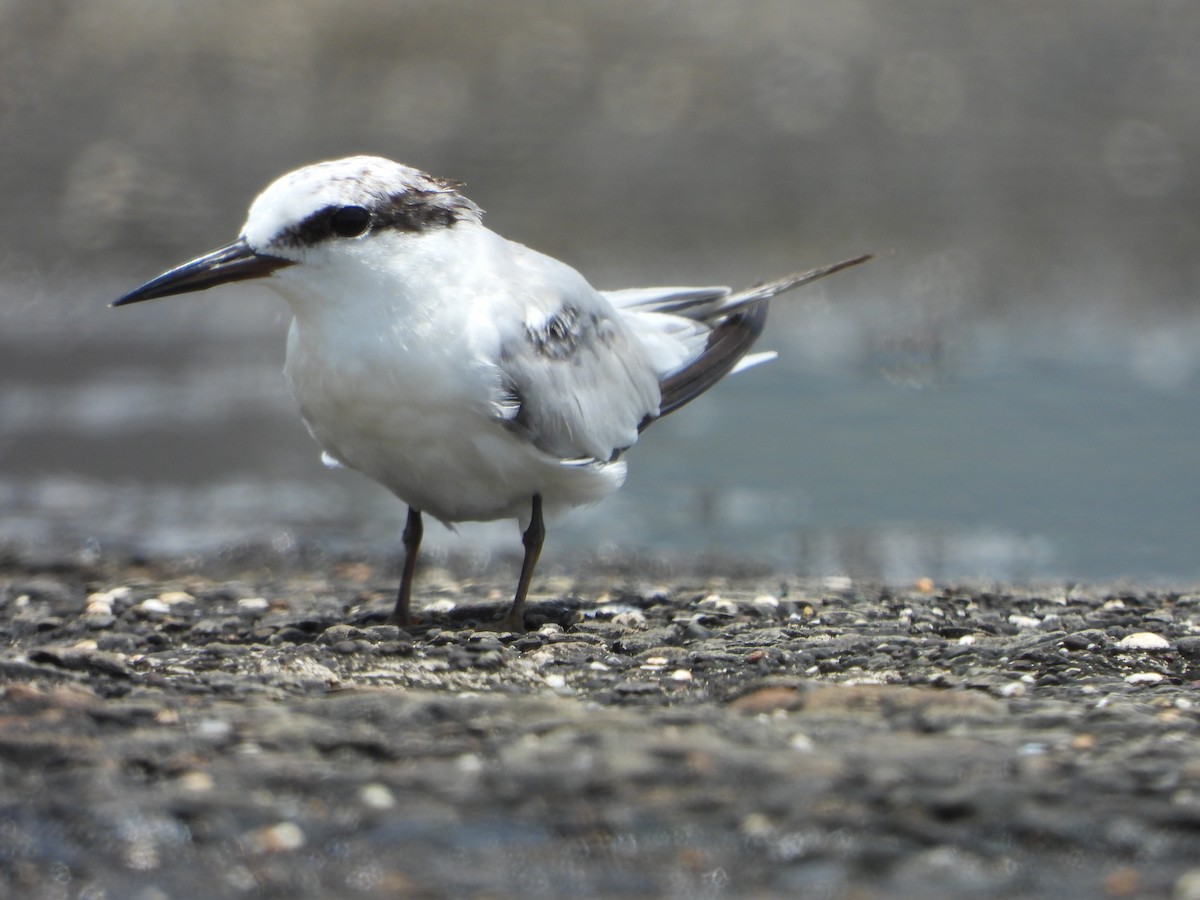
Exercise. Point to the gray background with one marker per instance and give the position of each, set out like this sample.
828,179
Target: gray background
1008,390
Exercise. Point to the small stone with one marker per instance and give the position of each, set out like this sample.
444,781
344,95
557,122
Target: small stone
469,763
214,730
253,604
376,796
339,634
380,633
1187,886
196,781
768,700
716,605
801,742
766,605
153,606
1023,621
490,659
756,825
681,675
633,618
98,605
278,838
556,681
1123,882
1077,642
1144,678
1143,640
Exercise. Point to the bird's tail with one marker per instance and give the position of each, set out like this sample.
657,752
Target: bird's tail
739,319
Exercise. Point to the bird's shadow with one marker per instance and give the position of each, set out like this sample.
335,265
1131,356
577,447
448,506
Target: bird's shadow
563,611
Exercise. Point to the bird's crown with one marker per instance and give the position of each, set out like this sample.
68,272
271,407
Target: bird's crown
351,198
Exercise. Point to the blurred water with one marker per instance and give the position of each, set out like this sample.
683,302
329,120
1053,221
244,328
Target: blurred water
993,457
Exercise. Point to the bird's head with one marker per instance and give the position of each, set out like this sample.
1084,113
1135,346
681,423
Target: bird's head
319,212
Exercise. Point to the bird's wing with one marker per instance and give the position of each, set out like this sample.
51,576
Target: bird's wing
570,376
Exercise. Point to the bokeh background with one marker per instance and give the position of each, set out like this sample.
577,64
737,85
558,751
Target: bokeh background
1009,390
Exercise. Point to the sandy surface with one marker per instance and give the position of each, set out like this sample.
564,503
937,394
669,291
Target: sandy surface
253,727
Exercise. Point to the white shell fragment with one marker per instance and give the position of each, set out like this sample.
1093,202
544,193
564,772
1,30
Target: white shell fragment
1143,640
1144,678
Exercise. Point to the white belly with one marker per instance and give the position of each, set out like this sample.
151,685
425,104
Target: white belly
422,427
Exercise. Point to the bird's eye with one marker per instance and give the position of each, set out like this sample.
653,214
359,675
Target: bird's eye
350,221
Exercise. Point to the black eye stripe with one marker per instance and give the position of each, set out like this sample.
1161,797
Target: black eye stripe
409,210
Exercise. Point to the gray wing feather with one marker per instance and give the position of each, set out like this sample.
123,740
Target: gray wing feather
572,377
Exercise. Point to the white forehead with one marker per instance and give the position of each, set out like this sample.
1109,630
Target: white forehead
356,180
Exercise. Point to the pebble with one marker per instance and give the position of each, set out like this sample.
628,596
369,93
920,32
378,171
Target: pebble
214,730
1144,678
801,742
1187,886
633,618
196,781
376,796
1189,647
716,605
1143,640
278,838
98,605
769,699
766,605
153,606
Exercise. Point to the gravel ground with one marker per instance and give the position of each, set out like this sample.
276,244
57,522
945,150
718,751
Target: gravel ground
253,727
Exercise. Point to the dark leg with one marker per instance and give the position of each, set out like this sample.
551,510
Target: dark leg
534,537
413,530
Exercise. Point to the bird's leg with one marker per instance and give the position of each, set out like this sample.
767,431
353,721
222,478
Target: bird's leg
413,530
533,538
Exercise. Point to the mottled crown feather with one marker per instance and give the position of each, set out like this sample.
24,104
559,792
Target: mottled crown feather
296,210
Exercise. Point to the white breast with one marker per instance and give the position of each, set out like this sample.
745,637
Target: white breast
407,402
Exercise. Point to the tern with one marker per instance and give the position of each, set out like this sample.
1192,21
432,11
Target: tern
473,377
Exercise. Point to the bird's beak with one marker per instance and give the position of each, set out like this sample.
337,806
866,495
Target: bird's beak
233,262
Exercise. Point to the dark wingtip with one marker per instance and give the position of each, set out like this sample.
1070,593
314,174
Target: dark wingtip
727,343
